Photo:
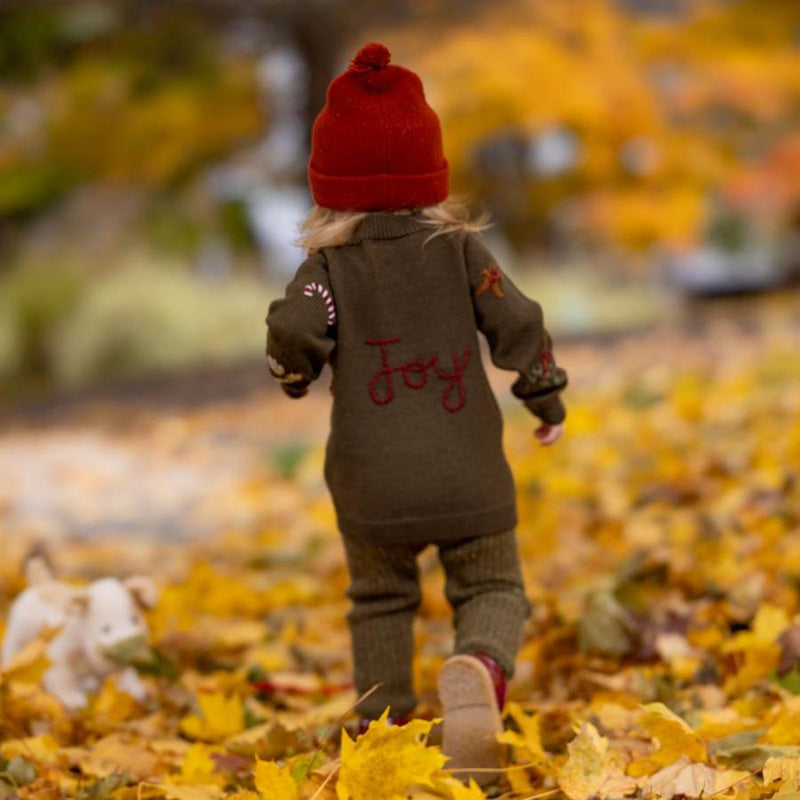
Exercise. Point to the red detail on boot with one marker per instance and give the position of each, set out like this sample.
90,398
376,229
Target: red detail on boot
497,674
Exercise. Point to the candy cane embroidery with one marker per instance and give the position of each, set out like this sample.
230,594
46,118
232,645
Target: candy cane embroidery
308,291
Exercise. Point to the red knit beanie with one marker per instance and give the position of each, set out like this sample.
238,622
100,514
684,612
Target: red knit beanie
377,144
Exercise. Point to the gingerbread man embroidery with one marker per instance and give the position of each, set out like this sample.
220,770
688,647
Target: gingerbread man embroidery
491,281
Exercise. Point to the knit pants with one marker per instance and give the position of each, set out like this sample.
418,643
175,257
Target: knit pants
483,584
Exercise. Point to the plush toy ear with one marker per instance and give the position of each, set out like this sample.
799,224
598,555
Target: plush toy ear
78,602
142,589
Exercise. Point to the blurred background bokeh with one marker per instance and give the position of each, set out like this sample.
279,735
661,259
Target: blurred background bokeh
152,161
641,163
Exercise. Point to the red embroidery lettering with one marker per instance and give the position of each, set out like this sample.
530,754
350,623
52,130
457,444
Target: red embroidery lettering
385,370
415,376
455,381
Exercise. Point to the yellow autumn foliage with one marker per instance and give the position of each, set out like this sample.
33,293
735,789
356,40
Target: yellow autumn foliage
390,756
274,782
674,496
675,739
219,718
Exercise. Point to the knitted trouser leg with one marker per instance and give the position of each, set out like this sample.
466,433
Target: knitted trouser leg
484,585
385,590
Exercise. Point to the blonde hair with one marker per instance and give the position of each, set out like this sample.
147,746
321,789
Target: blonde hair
328,227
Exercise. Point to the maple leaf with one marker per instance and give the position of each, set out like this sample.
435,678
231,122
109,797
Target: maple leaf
529,739
786,728
394,757
691,779
220,717
274,782
43,748
450,788
752,757
111,707
591,770
117,751
29,664
446,785
175,792
267,740
760,646
198,767
29,701
103,789
302,766
675,739
20,771
40,789
606,626
460,791
783,769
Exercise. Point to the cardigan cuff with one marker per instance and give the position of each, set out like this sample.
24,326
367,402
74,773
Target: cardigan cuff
550,409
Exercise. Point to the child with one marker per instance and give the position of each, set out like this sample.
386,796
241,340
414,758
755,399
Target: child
396,284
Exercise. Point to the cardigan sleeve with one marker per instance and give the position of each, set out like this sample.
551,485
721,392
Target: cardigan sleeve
301,327
514,328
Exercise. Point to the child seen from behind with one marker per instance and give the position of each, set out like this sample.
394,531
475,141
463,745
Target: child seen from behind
395,287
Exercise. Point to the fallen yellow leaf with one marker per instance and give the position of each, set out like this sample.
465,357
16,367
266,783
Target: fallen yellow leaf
591,770
782,769
786,728
111,707
220,717
684,777
459,791
529,740
198,767
116,752
174,792
394,757
675,739
274,782
29,664
42,748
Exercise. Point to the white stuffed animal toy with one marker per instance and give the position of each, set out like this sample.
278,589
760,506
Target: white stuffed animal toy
95,621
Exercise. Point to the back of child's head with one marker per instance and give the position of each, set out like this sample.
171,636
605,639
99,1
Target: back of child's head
376,146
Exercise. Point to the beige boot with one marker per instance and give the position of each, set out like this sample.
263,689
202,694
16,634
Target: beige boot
471,719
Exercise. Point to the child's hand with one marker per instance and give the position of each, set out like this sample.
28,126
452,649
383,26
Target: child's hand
549,434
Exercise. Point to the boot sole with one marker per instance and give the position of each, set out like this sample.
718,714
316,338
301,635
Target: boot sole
471,719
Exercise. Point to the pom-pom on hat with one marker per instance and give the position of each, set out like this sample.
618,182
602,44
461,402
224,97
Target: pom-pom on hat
377,144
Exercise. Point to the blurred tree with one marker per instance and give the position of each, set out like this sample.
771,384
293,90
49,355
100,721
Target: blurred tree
594,117
644,116
145,92
322,30
127,103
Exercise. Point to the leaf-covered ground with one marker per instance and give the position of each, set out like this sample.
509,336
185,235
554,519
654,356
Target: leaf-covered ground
661,546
